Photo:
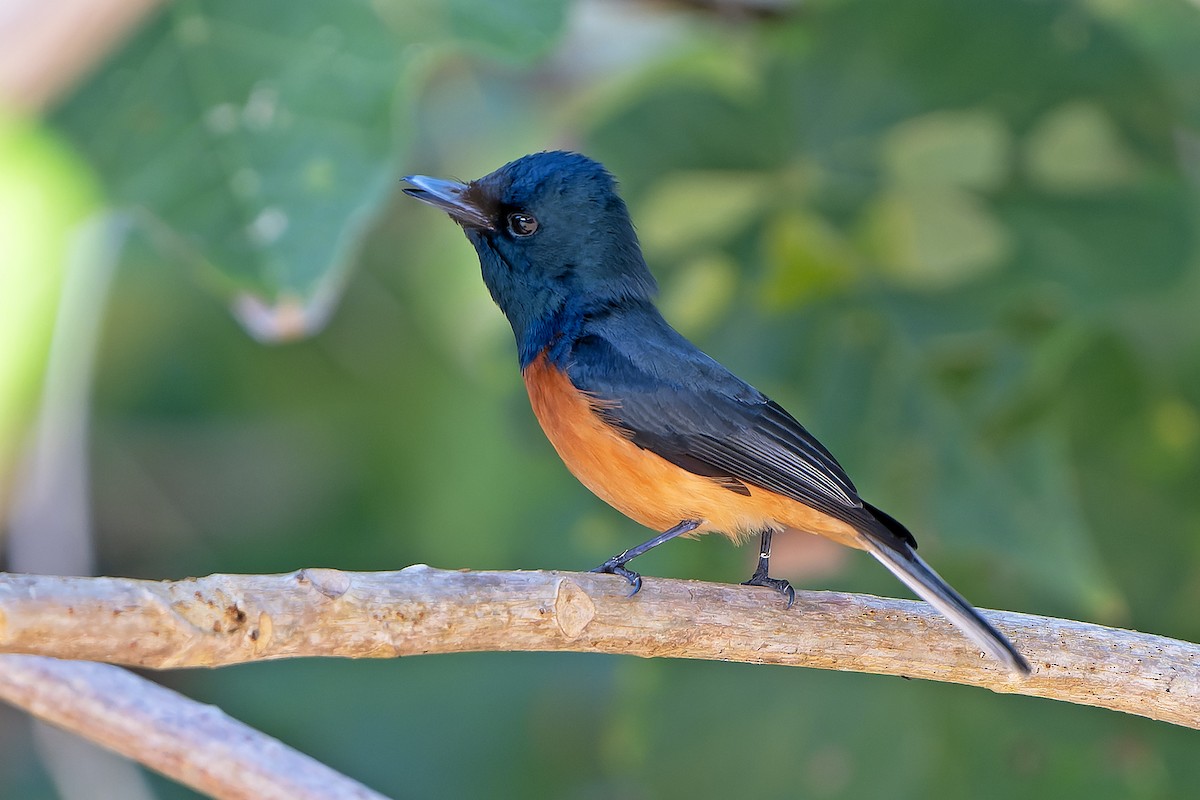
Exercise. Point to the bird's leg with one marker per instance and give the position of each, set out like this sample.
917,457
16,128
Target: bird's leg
760,578
616,564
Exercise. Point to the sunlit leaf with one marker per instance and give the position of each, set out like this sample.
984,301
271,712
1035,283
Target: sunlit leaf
935,237
703,289
970,149
808,259
1077,148
691,210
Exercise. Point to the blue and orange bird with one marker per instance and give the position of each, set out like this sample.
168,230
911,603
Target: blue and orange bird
639,414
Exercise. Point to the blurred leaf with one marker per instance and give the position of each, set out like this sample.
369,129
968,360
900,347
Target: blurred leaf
928,458
258,137
1177,425
1109,248
934,238
808,259
969,149
718,95
806,722
703,290
1076,148
690,210
1167,34
1020,499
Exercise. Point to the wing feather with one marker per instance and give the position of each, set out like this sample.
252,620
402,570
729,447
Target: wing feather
696,414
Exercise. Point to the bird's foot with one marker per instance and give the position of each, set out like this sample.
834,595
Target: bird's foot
614,567
778,584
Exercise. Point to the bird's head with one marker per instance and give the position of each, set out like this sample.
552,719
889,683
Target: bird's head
554,241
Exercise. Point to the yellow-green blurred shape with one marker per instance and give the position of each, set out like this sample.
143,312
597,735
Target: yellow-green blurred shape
44,193
700,293
1176,425
807,259
929,229
692,210
936,237
1077,148
969,149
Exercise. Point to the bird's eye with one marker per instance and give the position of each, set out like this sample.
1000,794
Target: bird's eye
522,224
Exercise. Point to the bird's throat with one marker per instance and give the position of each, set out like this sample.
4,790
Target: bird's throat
550,333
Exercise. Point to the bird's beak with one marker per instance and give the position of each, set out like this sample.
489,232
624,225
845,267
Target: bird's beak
450,196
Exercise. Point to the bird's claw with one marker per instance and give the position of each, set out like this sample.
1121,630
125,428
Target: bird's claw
616,568
778,584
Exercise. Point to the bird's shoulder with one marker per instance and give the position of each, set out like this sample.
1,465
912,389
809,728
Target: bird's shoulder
632,350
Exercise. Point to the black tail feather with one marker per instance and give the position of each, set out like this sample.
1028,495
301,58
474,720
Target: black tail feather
893,545
892,524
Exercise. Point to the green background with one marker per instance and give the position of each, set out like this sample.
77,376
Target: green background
957,238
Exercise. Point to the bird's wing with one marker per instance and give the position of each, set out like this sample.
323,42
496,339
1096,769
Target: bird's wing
690,410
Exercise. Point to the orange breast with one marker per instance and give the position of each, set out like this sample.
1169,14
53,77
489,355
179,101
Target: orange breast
648,488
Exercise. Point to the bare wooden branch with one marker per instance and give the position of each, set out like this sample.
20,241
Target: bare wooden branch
228,619
196,744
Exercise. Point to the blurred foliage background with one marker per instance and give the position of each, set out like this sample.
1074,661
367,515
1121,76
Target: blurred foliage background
957,238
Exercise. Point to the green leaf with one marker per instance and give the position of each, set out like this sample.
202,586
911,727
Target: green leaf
969,149
1076,148
256,138
808,259
672,221
935,237
699,293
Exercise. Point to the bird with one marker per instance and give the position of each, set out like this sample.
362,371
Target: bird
640,415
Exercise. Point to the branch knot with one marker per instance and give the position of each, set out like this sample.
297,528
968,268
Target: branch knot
573,609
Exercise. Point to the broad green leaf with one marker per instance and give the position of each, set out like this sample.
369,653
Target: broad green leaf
257,139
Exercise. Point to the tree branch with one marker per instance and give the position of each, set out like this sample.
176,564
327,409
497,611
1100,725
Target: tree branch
229,619
197,745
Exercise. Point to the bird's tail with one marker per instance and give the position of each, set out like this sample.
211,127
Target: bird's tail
891,546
